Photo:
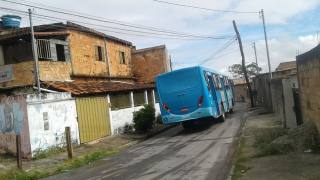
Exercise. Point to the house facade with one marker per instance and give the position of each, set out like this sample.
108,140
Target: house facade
98,71
66,52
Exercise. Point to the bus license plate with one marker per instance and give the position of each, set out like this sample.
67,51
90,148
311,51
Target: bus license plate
184,110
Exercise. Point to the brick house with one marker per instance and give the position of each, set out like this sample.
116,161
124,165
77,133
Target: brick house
149,62
101,73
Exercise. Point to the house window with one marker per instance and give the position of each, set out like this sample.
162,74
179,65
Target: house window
138,98
44,49
45,121
60,52
100,55
53,49
122,57
120,101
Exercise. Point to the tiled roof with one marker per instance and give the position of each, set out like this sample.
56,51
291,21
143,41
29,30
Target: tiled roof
80,88
286,65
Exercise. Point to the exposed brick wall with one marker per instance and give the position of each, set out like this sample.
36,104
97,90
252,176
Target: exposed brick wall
148,63
54,70
117,69
22,75
83,62
83,54
308,66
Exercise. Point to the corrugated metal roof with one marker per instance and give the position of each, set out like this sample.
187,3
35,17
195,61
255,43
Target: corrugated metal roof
80,88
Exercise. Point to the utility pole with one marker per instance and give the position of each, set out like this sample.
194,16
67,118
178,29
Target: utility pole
243,63
266,40
255,55
35,53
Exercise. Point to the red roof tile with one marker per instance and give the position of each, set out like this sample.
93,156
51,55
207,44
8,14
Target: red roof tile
94,87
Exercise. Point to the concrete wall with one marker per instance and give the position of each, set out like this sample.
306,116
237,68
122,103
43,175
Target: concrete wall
289,105
59,110
119,118
262,85
14,120
308,67
278,100
241,92
150,62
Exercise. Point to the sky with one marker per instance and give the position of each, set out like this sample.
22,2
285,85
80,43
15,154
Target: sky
293,27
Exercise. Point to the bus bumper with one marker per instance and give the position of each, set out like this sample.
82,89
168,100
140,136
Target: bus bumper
199,113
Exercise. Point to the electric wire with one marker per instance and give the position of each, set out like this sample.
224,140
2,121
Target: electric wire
206,9
103,20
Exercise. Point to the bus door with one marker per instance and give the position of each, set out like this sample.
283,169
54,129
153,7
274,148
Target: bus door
213,91
218,91
225,91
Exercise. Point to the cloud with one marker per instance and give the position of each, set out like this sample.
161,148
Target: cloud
281,17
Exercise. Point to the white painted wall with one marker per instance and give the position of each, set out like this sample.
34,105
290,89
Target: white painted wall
61,109
119,118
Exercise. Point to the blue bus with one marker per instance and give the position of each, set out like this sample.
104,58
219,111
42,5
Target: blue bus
194,93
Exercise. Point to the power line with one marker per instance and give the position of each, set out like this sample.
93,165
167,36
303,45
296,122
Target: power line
149,35
206,9
78,14
218,51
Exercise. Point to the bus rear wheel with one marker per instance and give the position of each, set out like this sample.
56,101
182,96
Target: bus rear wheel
222,117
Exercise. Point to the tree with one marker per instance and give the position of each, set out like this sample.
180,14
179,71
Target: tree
237,71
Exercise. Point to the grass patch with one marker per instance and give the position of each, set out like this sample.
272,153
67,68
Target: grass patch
264,141
272,141
84,160
16,174
41,154
240,159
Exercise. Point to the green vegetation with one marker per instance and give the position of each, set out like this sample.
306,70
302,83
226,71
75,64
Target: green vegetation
40,154
16,174
240,159
271,141
144,118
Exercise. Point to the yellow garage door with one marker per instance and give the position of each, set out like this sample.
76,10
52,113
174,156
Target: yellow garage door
93,118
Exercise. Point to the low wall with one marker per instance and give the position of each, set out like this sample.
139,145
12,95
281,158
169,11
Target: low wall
119,118
14,120
48,116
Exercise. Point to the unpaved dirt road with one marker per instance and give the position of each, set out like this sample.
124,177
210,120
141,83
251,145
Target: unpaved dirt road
175,154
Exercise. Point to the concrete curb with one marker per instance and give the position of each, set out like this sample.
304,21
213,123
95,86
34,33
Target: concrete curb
244,118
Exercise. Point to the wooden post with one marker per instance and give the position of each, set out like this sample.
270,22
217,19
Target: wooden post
18,145
243,62
69,142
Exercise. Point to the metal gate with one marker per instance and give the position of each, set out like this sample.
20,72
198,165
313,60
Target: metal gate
93,118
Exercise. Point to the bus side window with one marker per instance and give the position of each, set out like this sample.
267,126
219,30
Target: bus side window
218,82
207,80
